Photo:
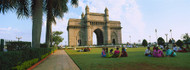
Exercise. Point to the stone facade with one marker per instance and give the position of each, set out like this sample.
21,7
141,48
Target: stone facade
80,31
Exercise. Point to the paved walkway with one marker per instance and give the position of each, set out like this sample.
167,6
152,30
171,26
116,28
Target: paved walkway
57,61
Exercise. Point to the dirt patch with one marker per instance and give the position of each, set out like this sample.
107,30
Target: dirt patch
138,66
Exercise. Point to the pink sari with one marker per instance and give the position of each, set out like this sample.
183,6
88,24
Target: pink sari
158,53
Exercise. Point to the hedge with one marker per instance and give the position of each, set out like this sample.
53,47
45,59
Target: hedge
17,45
23,59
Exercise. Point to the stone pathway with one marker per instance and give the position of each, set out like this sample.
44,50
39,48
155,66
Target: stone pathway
57,61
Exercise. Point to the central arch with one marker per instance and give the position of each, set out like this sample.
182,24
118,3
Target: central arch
99,36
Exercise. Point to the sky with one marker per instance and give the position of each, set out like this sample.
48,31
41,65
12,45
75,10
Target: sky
139,19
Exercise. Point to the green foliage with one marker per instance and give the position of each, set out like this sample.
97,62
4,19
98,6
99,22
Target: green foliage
144,43
44,45
179,43
26,64
12,59
186,38
17,45
57,38
45,55
160,41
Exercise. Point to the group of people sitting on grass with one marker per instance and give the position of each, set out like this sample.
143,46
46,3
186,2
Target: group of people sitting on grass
116,53
181,49
159,53
86,49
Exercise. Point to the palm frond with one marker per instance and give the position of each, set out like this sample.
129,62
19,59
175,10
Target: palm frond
74,3
22,8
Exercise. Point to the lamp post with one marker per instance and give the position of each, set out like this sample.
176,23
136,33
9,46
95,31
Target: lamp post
130,38
166,38
150,39
171,33
18,38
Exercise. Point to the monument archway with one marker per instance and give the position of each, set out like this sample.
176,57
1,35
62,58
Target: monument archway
99,37
80,31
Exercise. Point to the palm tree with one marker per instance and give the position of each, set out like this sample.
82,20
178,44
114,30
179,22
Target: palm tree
37,22
55,8
22,10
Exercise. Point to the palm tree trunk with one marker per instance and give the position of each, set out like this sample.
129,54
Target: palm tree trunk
48,33
37,22
51,36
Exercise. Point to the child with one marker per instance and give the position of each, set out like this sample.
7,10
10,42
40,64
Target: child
124,52
170,52
116,53
148,52
103,52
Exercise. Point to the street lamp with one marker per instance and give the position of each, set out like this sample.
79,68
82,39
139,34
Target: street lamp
18,38
166,38
171,33
150,39
130,39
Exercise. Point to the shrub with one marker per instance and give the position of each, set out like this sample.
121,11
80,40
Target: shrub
18,45
26,64
179,43
21,59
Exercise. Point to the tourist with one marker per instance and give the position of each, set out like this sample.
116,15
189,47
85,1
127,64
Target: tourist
175,48
81,50
154,48
124,52
170,52
181,49
110,54
158,53
161,47
103,52
148,52
116,53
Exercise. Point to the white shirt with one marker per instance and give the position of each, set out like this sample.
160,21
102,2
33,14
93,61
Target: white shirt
175,48
147,51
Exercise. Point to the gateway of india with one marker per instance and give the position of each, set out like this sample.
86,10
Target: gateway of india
80,31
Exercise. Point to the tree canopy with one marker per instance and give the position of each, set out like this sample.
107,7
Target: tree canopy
160,41
144,43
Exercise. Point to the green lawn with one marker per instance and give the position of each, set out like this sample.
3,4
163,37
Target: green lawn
135,61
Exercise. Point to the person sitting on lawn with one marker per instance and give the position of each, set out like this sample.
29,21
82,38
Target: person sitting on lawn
154,48
170,52
148,52
124,52
103,52
116,53
175,48
111,51
158,53
110,54
181,49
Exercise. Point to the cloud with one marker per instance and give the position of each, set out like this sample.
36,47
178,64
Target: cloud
6,29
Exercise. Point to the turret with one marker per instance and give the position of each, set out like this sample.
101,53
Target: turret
106,11
87,9
82,15
106,14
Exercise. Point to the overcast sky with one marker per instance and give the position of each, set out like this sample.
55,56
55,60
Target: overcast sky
139,19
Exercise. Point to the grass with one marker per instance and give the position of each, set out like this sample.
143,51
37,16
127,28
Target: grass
135,61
